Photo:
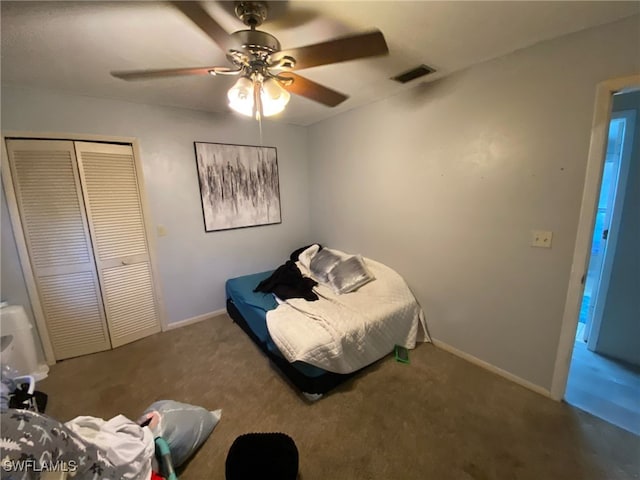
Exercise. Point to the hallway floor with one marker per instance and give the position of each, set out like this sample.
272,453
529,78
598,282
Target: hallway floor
605,388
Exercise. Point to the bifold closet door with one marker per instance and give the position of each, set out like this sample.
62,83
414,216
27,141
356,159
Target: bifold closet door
49,197
112,199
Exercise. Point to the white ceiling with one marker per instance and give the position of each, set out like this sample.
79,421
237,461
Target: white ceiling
72,46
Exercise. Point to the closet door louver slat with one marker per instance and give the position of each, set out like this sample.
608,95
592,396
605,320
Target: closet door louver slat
71,302
52,213
114,209
130,300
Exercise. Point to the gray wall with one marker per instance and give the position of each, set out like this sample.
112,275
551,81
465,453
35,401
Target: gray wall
620,327
445,182
193,265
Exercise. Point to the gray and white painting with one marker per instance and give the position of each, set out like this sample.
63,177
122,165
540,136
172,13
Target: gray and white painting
238,184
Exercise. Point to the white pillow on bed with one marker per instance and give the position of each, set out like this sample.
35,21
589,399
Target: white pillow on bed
349,274
304,259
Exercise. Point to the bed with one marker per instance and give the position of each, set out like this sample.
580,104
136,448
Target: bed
319,344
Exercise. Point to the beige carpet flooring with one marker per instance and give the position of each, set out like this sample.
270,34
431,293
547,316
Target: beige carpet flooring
438,418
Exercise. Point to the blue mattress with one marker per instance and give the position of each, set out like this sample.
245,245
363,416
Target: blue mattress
254,307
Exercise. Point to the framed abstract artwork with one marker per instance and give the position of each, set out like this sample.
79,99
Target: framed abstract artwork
239,185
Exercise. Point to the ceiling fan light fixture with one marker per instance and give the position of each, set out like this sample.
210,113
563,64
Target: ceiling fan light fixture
241,96
274,98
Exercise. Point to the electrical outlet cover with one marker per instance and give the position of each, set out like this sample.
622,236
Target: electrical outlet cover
541,238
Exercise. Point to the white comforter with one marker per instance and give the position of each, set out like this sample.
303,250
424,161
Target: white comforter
343,333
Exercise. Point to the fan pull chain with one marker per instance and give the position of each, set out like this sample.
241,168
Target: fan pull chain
257,101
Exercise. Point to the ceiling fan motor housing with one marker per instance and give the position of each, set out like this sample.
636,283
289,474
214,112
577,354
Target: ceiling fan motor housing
256,40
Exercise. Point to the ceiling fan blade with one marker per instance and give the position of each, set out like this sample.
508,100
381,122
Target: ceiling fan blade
352,47
172,72
198,15
314,91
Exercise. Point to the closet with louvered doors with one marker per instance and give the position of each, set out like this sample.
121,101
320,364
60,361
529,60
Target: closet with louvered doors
83,224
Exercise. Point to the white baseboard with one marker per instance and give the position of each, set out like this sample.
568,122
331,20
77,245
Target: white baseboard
492,368
196,319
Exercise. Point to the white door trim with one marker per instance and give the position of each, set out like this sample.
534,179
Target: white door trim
590,194
19,235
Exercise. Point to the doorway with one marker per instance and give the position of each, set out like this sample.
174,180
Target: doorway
604,376
610,203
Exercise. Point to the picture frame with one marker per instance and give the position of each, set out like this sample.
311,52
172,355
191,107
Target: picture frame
239,185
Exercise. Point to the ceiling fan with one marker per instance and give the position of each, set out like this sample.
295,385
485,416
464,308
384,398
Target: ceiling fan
266,72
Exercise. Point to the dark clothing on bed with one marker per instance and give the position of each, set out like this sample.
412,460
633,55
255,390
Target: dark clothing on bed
296,253
287,282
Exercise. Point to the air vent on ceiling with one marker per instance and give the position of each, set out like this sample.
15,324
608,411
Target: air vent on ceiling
414,73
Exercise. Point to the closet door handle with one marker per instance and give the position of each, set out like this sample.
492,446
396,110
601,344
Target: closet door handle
126,262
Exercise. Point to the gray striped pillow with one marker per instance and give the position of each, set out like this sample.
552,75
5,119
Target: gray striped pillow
322,262
349,275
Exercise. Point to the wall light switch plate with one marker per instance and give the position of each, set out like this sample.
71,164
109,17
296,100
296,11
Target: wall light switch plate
541,238
162,230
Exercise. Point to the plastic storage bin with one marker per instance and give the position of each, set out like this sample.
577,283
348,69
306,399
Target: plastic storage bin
17,343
